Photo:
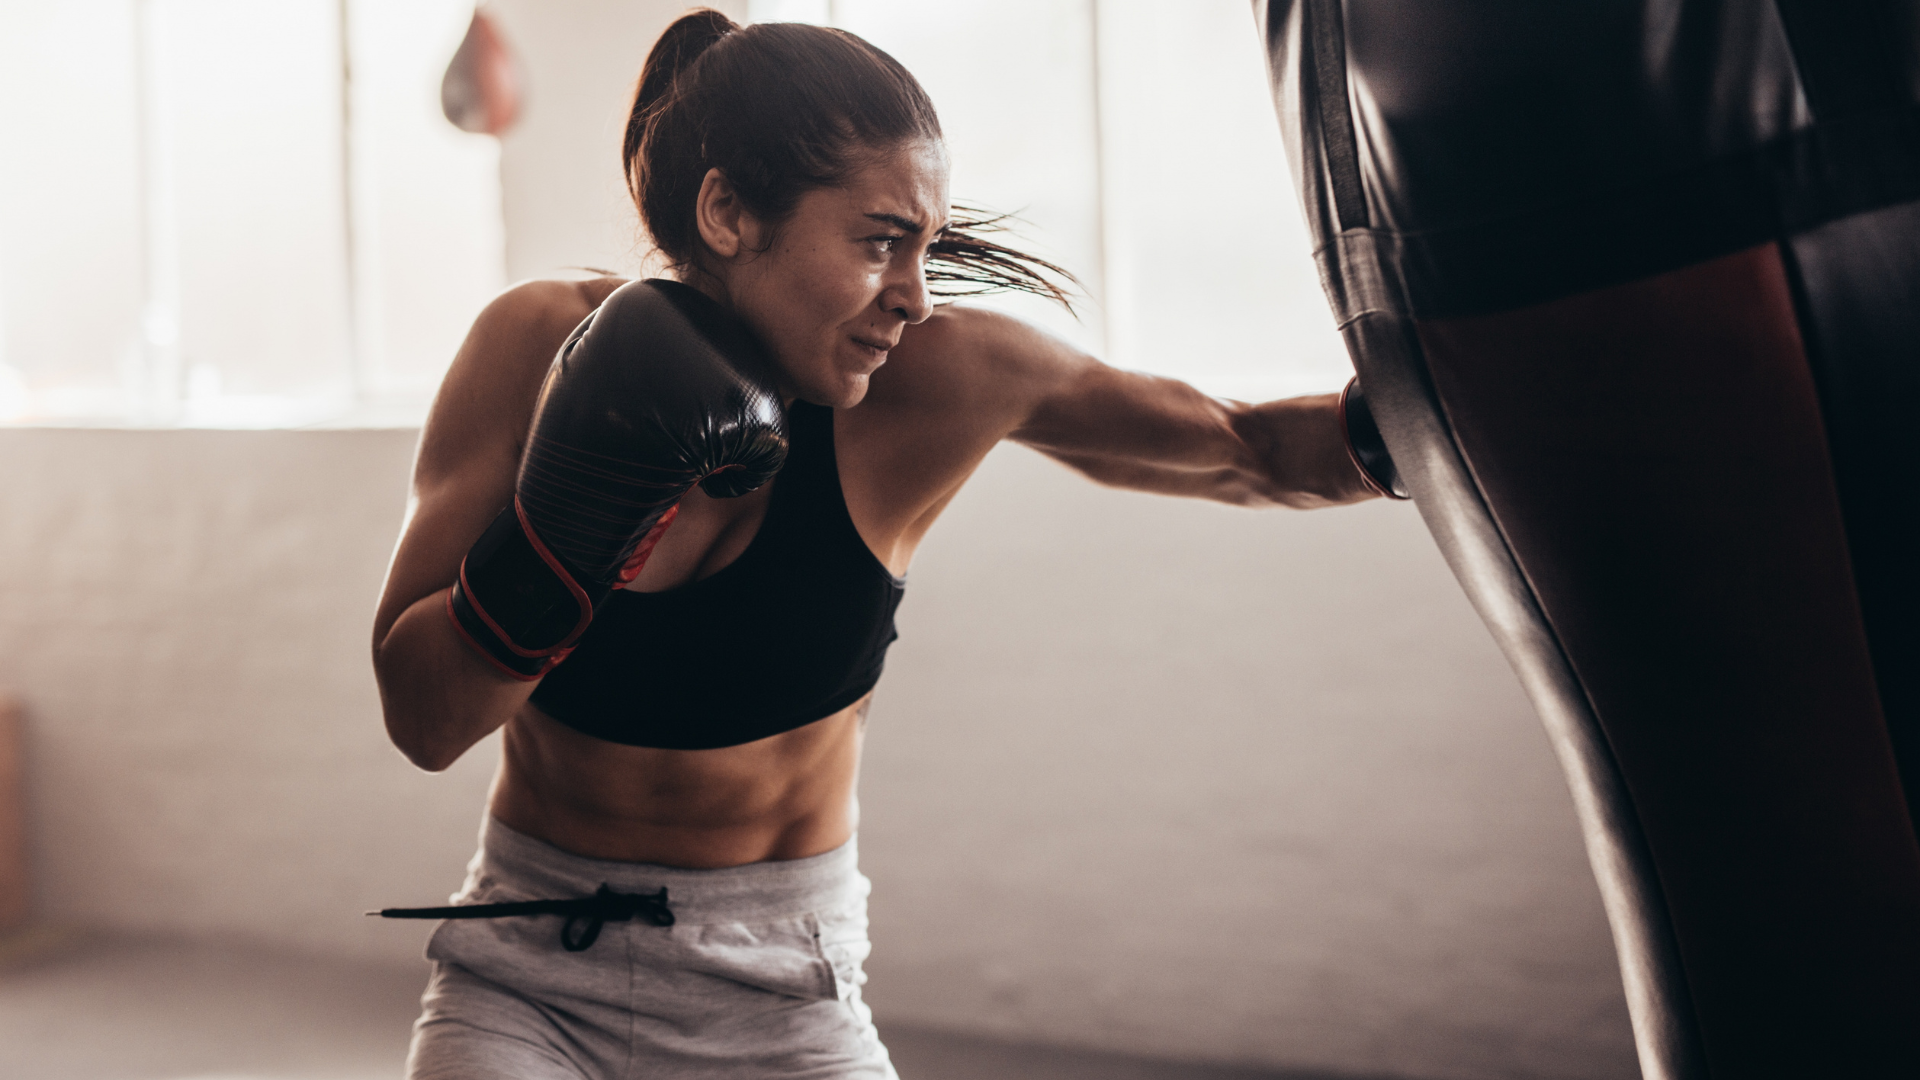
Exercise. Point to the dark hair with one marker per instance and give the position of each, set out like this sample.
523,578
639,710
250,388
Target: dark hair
781,109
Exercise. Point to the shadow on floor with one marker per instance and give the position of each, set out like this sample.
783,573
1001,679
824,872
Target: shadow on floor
119,1009
933,1055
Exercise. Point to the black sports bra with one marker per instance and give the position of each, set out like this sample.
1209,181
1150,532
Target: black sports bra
794,630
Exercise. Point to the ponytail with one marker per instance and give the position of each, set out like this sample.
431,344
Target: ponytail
667,172
679,46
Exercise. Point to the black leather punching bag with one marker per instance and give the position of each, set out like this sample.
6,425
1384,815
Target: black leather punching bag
1634,289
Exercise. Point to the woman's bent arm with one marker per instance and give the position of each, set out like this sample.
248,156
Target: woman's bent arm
439,697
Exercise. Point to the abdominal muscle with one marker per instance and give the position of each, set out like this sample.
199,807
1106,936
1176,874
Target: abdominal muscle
787,796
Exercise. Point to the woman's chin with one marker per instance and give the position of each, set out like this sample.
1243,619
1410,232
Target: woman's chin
843,393
852,392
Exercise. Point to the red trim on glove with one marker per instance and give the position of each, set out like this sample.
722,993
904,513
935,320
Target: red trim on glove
553,562
638,560
498,633
487,654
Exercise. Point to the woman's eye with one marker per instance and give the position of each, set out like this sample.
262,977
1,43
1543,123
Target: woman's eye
886,244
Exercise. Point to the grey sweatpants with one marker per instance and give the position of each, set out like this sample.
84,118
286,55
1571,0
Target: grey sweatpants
759,976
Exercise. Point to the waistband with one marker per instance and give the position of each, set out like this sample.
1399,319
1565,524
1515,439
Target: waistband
513,865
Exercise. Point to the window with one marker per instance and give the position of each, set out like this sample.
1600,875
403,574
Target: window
235,213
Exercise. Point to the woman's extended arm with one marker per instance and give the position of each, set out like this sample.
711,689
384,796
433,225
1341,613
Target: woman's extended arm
1136,431
1131,430
439,697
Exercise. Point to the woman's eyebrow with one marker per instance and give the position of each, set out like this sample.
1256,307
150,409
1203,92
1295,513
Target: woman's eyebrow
907,225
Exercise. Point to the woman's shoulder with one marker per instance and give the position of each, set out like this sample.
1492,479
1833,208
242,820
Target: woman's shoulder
966,336
955,386
961,324
543,303
965,349
486,400
519,330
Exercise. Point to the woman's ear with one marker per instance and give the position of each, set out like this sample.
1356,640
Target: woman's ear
725,225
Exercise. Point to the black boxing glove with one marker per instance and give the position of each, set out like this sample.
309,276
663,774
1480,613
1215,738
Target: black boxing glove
1365,447
658,390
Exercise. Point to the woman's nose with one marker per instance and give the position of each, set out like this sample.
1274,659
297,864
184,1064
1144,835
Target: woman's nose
907,295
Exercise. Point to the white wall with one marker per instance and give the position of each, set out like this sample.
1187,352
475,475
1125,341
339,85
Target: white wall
1191,780
1144,773
186,615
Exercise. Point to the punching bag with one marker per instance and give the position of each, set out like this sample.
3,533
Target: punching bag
1634,289
480,91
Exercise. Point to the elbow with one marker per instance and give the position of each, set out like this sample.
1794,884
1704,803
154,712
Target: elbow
410,735
411,727
407,734
423,757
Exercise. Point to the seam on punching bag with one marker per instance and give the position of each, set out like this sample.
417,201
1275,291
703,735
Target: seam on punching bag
1354,273
1844,52
1600,238
1326,34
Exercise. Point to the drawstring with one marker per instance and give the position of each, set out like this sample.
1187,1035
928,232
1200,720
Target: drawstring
585,915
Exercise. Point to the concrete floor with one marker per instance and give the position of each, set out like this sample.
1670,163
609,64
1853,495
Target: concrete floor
91,1009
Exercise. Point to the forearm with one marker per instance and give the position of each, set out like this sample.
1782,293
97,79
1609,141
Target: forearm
1296,452
438,696
1148,433
1226,481
1290,452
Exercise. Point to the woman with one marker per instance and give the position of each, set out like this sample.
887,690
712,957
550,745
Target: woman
703,734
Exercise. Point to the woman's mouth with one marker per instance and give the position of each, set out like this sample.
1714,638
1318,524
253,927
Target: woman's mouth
873,347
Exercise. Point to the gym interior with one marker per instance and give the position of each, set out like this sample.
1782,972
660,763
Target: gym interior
1154,788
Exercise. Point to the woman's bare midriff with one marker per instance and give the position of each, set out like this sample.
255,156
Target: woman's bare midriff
784,797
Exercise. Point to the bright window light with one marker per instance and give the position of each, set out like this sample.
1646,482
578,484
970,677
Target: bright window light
818,12
241,214
228,213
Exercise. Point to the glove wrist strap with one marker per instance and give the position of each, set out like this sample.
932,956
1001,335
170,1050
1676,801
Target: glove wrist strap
1365,448
516,603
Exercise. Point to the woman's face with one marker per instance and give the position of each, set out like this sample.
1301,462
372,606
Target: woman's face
845,273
